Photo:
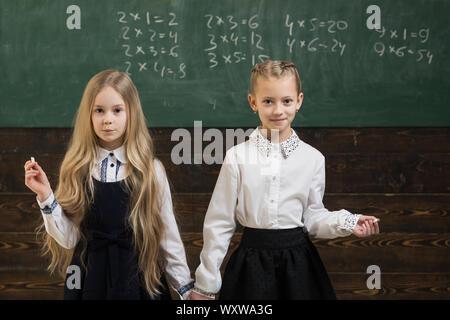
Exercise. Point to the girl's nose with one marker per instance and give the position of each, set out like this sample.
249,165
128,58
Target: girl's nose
278,109
107,118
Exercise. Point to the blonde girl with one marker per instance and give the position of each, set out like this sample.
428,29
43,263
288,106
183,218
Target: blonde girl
110,223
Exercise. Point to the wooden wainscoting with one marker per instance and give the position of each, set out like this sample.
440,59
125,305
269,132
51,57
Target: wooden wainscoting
401,175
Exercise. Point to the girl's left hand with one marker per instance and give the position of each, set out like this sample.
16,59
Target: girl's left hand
366,226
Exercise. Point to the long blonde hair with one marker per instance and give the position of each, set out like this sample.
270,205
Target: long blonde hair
75,188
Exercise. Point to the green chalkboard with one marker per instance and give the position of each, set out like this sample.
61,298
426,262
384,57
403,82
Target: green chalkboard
191,59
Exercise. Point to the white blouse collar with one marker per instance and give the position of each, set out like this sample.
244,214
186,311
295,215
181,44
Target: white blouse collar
265,146
119,153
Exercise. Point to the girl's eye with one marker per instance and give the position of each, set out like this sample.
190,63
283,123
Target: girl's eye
118,110
98,110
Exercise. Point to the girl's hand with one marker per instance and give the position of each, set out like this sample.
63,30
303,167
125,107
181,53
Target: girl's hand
366,226
36,180
196,296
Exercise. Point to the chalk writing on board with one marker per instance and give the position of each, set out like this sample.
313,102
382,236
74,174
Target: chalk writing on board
404,43
150,43
303,35
233,40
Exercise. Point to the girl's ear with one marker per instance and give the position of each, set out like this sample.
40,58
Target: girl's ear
252,102
299,100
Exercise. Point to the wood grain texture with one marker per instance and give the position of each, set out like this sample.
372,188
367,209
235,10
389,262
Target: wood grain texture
348,286
400,175
327,140
394,286
416,213
390,173
394,252
30,284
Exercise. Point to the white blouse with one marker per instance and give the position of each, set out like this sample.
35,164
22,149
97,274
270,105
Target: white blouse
111,168
267,186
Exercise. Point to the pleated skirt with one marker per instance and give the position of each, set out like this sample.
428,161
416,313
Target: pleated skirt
280,264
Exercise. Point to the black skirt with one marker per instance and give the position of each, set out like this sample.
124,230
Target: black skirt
275,264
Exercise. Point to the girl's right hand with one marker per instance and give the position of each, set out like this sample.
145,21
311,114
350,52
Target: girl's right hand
36,180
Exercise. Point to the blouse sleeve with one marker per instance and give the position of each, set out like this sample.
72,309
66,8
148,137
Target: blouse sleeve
218,228
177,270
57,225
319,222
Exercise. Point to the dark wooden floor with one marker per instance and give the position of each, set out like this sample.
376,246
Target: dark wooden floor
401,175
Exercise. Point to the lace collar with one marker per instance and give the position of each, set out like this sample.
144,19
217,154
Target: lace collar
265,146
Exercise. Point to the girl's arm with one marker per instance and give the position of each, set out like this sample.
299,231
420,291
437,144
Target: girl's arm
218,228
56,223
319,222
61,228
177,270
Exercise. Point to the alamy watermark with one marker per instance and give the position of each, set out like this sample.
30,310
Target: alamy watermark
374,280
73,277
214,152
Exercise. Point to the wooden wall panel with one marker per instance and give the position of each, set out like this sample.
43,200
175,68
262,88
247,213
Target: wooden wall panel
390,173
401,175
399,212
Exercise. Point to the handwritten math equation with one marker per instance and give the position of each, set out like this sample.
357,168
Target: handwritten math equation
152,43
303,35
395,42
233,40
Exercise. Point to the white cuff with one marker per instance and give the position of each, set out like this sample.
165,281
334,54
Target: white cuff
350,222
204,293
185,290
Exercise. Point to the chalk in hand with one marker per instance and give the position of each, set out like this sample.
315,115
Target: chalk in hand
376,220
32,159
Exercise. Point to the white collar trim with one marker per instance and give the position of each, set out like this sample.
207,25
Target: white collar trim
265,146
119,153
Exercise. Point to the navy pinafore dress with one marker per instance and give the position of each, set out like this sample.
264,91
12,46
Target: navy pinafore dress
110,257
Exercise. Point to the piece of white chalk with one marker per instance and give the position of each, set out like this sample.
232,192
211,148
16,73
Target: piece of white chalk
32,159
376,220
